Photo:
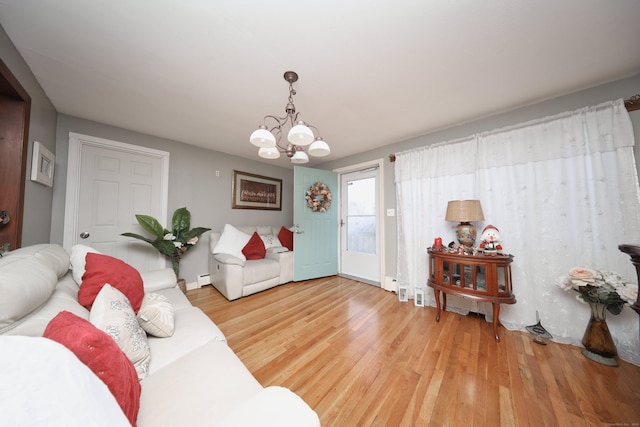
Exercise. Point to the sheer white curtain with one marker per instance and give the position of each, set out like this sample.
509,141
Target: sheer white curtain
564,193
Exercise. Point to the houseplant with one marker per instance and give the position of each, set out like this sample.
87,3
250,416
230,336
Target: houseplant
172,243
603,291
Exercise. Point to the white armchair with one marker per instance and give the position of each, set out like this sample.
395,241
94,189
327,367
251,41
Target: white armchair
235,277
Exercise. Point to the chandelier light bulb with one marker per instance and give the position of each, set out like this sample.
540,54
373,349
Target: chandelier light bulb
300,134
300,157
269,153
319,148
261,137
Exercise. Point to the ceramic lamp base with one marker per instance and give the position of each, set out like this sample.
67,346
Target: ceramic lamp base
466,234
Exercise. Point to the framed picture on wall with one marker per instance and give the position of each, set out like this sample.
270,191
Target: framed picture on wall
42,165
251,191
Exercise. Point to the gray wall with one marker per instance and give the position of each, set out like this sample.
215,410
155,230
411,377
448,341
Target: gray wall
42,128
619,89
192,183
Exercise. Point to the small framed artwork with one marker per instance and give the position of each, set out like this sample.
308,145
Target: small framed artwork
403,293
42,165
252,191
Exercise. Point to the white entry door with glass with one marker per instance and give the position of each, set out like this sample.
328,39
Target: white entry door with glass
359,225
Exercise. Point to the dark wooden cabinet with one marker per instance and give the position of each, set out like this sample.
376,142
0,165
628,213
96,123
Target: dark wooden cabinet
480,277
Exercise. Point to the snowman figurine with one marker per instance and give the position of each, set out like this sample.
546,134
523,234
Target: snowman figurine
490,240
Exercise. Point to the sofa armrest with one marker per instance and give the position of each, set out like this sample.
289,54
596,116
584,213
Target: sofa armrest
277,250
228,259
159,279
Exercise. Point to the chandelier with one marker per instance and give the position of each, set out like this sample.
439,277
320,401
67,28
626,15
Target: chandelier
300,136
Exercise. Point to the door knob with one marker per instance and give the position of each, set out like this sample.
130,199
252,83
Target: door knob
84,235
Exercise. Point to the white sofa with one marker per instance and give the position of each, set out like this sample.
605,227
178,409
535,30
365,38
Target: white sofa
194,378
235,277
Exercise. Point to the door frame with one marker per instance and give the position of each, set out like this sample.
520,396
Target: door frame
76,142
379,163
14,130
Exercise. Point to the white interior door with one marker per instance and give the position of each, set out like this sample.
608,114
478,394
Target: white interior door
315,244
108,182
360,225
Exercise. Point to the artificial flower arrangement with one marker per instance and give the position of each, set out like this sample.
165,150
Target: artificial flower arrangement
600,287
172,244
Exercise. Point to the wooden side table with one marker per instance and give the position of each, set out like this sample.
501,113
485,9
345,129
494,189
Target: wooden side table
634,252
481,278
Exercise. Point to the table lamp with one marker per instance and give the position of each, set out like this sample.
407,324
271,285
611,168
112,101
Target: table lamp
465,212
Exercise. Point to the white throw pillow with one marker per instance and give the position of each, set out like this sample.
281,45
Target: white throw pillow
77,256
231,242
44,383
112,313
156,315
270,241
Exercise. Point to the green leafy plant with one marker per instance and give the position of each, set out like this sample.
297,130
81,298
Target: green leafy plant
172,243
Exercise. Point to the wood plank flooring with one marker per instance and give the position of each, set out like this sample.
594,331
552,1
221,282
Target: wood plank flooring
359,357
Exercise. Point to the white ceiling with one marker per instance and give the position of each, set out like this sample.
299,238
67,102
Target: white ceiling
372,72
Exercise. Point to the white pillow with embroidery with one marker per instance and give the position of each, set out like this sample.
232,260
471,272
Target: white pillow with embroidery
270,241
156,315
112,313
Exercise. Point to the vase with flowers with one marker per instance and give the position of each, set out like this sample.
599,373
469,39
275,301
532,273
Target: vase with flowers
603,291
173,243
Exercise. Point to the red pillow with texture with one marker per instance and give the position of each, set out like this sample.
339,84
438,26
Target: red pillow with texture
102,355
254,249
101,269
286,238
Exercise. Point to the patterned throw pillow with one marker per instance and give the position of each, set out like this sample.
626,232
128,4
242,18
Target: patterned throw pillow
113,314
270,241
156,315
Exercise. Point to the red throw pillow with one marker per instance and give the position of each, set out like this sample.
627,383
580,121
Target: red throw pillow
286,238
102,355
101,269
254,249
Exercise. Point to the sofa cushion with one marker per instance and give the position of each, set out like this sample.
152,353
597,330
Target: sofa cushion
231,242
101,269
260,270
286,237
55,256
26,283
254,249
77,257
112,313
102,355
167,398
57,390
193,329
271,407
156,315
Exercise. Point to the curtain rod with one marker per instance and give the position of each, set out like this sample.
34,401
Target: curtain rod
631,104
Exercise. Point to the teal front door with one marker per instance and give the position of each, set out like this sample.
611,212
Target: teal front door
315,241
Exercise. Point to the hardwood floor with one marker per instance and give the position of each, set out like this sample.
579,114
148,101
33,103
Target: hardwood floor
359,357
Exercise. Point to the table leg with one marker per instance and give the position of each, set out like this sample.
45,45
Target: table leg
496,320
436,294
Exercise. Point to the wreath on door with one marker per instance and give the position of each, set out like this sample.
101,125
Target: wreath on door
318,197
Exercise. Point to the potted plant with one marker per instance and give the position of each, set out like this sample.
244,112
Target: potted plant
172,243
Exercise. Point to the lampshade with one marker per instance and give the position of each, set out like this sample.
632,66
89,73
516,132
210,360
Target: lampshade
464,211
261,137
300,157
300,134
319,148
269,153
